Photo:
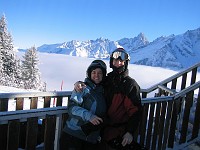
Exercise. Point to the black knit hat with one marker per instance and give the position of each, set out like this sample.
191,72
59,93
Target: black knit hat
97,64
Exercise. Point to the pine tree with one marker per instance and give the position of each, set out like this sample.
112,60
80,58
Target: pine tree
30,71
8,57
1,62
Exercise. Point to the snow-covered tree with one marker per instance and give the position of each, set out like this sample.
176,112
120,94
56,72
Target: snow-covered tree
8,56
1,62
30,70
8,49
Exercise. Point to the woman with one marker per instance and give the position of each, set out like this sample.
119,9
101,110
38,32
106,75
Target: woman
86,109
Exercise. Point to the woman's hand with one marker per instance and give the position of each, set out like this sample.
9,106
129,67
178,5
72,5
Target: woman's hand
79,86
127,139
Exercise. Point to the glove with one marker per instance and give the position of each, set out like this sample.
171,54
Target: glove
89,128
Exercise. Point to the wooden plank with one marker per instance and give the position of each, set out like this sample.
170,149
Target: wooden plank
58,131
3,127
24,114
173,124
167,90
195,130
34,102
186,90
59,101
174,83
3,136
150,126
188,104
156,126
4,104
143,123
167,124
13,135
193,77
19,103
22,137
64,119
31,133
183,83
35,94
161,125
49,135
144,94
47,101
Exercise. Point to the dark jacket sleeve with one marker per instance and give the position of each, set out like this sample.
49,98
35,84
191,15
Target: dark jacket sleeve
132,90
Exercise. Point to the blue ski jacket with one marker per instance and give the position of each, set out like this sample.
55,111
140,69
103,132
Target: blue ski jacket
83,106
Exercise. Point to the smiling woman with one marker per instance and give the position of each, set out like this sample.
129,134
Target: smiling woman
86,108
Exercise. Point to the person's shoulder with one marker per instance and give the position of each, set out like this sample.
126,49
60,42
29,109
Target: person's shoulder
109,76
131,81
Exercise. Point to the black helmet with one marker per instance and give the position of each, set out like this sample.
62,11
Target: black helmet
119,53
97,64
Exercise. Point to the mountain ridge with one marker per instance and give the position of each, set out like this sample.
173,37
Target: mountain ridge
174,51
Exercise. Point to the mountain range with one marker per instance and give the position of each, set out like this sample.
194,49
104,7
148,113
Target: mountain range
174,51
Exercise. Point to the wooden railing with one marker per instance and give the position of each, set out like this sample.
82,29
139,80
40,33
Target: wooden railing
169,119
20,128
174,83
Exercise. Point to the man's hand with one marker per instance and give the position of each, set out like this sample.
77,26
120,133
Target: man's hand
127,139
79,86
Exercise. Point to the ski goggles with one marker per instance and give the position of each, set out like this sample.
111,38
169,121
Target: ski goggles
120,55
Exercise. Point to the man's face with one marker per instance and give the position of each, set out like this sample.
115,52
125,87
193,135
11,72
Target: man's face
118,63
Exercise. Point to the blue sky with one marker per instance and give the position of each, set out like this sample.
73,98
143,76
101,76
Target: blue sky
37,22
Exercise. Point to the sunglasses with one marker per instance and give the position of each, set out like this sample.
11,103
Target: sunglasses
120,55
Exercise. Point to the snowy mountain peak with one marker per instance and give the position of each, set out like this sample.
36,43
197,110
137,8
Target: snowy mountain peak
142,37
134,43
173,51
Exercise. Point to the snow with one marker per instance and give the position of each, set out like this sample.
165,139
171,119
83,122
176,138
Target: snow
58,68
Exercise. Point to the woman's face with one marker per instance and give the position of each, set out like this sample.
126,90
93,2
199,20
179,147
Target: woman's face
97,75
118,62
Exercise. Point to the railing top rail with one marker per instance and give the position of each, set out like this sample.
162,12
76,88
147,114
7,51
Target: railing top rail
35,94
174,96
157,99
24,114
186,90
67,93
170,78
